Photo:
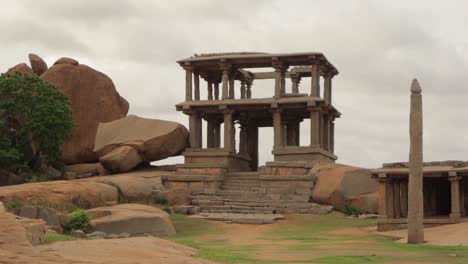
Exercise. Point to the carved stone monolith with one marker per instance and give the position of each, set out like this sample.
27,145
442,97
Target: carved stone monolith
415,188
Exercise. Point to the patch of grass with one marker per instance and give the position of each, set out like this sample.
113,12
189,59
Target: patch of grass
352,211
51,237
352,259
158,198
191,227
12,205
120,194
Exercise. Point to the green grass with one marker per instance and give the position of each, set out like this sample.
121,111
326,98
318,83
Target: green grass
51,237
311,240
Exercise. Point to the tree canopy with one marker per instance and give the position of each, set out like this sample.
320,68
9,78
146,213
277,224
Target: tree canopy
35,120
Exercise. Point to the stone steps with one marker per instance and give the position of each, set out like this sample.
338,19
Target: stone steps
240,200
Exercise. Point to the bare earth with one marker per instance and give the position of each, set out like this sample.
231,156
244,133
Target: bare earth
14,248
446,235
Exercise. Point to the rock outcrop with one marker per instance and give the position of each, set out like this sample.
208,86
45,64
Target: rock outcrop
38,65
345,186
22,68
123,144
135,219
93,99
61,194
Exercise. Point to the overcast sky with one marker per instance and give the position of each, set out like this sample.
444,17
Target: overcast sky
378,47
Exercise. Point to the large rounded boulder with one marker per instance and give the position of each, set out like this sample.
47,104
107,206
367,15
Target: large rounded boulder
344,187
125,143
93,99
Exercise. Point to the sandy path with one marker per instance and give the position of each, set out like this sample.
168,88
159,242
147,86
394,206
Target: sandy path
446,235
143,250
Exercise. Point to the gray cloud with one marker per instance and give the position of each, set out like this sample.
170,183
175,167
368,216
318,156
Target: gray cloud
378,46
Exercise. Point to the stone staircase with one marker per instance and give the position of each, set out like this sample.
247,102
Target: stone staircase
242,200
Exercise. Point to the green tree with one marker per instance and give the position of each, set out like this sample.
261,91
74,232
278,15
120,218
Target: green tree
35,120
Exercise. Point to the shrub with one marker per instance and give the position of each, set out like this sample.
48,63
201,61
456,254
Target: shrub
78,220
168,210
35,120
352,211
158,198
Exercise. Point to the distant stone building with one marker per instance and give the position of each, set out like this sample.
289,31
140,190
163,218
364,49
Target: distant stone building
444,191
229,101
223,175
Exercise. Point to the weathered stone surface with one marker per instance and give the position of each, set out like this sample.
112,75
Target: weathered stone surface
96,235
186,209
135,186
177,196
154,139
35,230
369,201
49,215
22,68
121,159
135,219
94,168
61,194
65,60
38,65
338,185
8,178
78,233
93,99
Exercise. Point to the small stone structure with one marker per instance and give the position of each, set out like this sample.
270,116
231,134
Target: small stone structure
224,170
445,193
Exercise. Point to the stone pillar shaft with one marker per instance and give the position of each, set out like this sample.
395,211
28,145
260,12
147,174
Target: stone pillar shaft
248,93
188,84
390,200
243,139
332,136
315,89
217,134
242,89
415,185
396,199
383,195
197,86
455,195
326,132
404,198
225,94
295,84
195,130
315,128
231,87
327,89
210,90
277,129
216,91
228,132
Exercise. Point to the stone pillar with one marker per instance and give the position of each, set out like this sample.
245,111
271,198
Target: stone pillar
210,90
243,139
327,88
326,132
279,77
229,132
242,89
295,79
383,212
216,90
297,132
396,198
283,81
210,133
188,83
277,128
315,89
197,86
252,146
455,195
390,200
225,94
315,128
291,134
332,136
248,93
404,198
195,132
415,186
231,86
217,134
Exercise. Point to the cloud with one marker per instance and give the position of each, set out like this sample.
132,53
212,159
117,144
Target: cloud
378,46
